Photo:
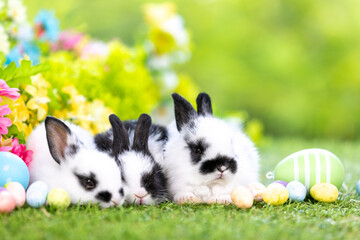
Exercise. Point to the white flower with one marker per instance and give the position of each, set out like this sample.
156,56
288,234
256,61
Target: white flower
160,62
170,80
175,27
17,11
4,41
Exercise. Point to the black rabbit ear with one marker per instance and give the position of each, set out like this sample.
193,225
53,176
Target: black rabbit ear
203,102
62,142
141,135
184,111
120,136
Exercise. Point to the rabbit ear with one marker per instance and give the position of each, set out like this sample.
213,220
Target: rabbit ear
203,102
141,134
184,111
120,136
60,139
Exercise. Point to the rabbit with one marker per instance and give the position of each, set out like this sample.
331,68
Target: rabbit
64,156
144,180
206,157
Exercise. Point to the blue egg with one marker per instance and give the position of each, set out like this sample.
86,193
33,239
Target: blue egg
297,191
36,194
36,199
38,186
13,169
358,187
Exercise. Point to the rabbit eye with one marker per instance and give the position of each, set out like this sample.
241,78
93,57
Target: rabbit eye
198,150
88,183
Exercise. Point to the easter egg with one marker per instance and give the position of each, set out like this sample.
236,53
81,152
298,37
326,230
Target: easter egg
275,194
13,169
297,191
36,194
324,192
242,197
58,198
7,202
358,187
257,190
18,192
311,166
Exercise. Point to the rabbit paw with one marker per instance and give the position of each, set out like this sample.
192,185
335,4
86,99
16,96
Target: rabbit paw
222,199
187,198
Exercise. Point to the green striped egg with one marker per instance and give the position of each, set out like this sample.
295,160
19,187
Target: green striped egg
311,166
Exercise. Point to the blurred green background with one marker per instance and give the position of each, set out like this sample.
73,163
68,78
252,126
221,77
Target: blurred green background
293,64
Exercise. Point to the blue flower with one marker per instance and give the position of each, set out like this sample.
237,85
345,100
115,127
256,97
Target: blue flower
19,51
47,26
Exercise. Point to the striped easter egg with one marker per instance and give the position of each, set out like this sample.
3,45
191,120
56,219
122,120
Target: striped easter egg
311,166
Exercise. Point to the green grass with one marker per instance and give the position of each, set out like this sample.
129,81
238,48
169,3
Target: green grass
308,220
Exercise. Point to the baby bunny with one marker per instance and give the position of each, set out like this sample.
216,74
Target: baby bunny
144,180
205,157
62,160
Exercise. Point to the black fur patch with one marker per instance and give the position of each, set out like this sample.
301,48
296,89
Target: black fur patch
121,191
155,183
104,196
73,149
159,130
88,182
104,141
197,150
210,166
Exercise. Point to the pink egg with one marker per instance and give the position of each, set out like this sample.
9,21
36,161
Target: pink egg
18,192
7,202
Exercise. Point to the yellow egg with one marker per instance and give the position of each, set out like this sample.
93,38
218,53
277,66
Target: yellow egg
275,194
324,192
257,190
242,197
58,198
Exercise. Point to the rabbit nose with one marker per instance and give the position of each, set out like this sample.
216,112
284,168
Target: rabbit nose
222,169
141,193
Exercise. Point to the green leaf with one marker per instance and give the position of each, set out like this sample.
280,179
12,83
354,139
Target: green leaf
9,72
2,59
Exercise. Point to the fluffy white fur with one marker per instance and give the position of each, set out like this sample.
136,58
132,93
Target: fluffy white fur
186,183
135,165
46,169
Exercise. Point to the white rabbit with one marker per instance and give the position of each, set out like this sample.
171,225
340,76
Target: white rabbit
205,157
143,178
65,157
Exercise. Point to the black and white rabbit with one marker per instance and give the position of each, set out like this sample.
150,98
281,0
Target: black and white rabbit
205,157
143,178
65,157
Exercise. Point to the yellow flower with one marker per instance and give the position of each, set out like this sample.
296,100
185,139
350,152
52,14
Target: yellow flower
39,100
20,115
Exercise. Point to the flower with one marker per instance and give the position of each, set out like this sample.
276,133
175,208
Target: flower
24,50
5,91
2,4
4,122
39,93
68,40
46,26
17,11
20,114
5,145
94,49
4,41
156,14
20,150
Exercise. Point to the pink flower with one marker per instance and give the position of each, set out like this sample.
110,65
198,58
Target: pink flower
68,40
20,150
4,122
5,91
